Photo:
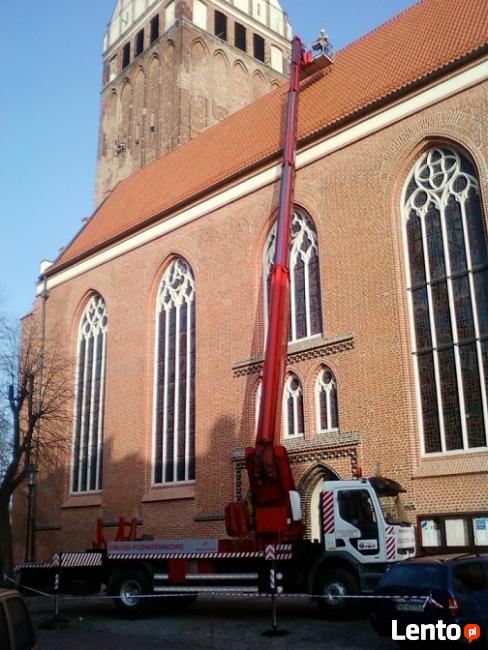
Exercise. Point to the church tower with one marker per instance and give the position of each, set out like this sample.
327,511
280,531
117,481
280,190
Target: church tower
172,68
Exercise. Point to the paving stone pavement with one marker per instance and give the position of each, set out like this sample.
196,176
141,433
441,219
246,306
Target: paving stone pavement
219,623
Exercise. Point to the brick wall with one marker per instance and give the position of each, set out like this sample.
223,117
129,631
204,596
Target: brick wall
186,81
353,196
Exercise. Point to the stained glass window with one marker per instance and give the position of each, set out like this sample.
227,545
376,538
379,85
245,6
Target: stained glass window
327,400
86,473
305,318
174,427
293,423
448,293
292,420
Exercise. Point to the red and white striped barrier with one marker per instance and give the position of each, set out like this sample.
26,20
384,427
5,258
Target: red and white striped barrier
328,512
182,556
47,564
64,560
390,543
81,559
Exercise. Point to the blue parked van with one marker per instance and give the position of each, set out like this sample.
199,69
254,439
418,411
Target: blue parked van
425,590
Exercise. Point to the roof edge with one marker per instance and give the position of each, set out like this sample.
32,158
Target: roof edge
415,84
265,162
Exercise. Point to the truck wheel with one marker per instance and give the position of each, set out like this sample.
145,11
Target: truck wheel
331,584
127,591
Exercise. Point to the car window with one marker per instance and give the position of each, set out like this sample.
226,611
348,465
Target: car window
470,576
420,576
21,624
3,627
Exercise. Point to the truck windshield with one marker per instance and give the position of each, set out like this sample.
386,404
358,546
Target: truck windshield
393,509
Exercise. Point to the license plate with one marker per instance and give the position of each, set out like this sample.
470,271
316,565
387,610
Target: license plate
409,607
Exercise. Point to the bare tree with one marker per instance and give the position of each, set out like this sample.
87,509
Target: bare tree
35,397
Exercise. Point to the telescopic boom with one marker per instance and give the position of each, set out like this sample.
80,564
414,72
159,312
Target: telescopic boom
274,500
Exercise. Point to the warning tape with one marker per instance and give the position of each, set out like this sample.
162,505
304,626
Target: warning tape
427,600
19,586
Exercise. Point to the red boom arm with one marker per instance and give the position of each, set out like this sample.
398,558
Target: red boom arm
277,335
267,464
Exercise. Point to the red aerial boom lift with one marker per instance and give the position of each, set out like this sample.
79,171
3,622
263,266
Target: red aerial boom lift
275,503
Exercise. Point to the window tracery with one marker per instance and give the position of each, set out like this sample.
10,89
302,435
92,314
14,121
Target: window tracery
447,258
305,318
89,402
174,437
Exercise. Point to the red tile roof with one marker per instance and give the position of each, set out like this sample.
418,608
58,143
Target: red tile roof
421,41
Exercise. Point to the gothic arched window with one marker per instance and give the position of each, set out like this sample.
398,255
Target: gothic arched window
448,294
90,386
327,401
305,318
174,427
292,409
293,422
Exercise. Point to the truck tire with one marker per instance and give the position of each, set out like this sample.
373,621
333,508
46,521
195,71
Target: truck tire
127,591
331,583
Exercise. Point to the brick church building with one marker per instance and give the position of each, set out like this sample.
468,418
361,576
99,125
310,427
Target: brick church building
161,297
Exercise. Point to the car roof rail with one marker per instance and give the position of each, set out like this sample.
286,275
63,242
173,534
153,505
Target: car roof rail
465,555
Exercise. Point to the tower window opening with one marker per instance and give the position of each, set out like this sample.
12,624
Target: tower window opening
139,42
112,68
277,59
154,28
240,36
169,15
125,55
258,42
221,25
199,14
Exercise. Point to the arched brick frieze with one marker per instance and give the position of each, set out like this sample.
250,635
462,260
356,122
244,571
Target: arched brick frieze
168,109
219,75
152,109
240,85
259,85
138,116
199,87
122,145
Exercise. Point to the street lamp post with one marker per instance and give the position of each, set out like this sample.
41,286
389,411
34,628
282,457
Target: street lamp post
29,538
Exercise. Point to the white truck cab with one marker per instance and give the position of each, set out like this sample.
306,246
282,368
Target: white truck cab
365,518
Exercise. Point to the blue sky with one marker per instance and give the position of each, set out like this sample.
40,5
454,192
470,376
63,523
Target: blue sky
49,109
